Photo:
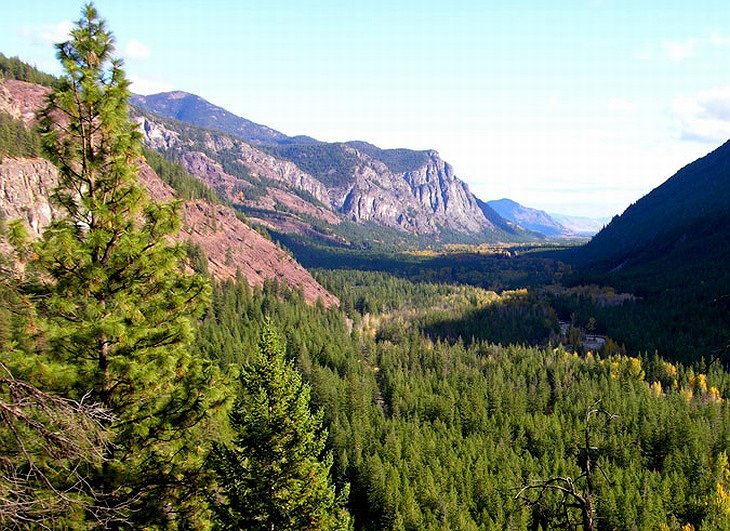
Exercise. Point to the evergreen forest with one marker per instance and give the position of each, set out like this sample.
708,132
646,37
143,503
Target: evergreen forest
448,390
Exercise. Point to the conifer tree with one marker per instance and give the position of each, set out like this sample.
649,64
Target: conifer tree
114,302
274,476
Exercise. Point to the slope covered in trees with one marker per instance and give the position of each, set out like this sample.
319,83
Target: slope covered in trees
671,249
679,223
438,404
14,68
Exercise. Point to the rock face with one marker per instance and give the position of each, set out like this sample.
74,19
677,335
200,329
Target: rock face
201,152
25,186
230,245
423,200
22,100
414,191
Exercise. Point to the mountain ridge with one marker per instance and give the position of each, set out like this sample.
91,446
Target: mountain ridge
667,219
530,218
184,106
410,191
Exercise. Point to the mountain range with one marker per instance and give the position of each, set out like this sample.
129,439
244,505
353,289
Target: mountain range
548,225
337,192
319,189
530,218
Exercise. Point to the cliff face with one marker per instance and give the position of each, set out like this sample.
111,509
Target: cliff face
21,100
25,186
230,245
414,191
203,150
424,200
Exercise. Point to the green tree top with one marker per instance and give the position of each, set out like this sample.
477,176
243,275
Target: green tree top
275,476
87,133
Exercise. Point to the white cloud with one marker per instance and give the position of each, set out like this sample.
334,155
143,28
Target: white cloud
719,39
680,50
149,86
136,50
704,116
621,105
47,33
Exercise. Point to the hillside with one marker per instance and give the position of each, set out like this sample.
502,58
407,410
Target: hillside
413,193
193,109
230,245
682,223
671,248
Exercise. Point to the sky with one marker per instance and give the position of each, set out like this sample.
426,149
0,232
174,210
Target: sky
571,106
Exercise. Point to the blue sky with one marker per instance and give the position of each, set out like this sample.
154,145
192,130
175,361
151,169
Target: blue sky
579,107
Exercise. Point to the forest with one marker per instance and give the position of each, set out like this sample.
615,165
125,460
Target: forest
138,392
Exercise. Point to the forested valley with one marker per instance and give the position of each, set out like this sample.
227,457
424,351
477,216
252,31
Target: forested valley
450,389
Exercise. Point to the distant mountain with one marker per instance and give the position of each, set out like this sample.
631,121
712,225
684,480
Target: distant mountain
530,218
581,225
682,224
285,181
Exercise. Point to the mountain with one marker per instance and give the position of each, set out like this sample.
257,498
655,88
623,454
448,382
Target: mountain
190,108
529,218
231,246
671,249
682,223
284,182
581,225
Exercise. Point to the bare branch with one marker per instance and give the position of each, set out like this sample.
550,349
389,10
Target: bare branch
51,441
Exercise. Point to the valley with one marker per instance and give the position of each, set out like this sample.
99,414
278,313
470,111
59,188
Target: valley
446,359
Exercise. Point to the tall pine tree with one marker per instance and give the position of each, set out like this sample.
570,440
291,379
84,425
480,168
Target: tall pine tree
114,302
275,475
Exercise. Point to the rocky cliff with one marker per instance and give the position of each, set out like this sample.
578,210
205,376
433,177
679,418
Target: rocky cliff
413,191
204,152
230,245
426,199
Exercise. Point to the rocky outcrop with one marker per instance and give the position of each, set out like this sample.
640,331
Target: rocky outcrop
201,152
22,100
25,186
426,199
408,190
230,245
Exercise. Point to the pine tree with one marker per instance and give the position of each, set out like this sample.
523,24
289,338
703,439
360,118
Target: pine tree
115,304
273,477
